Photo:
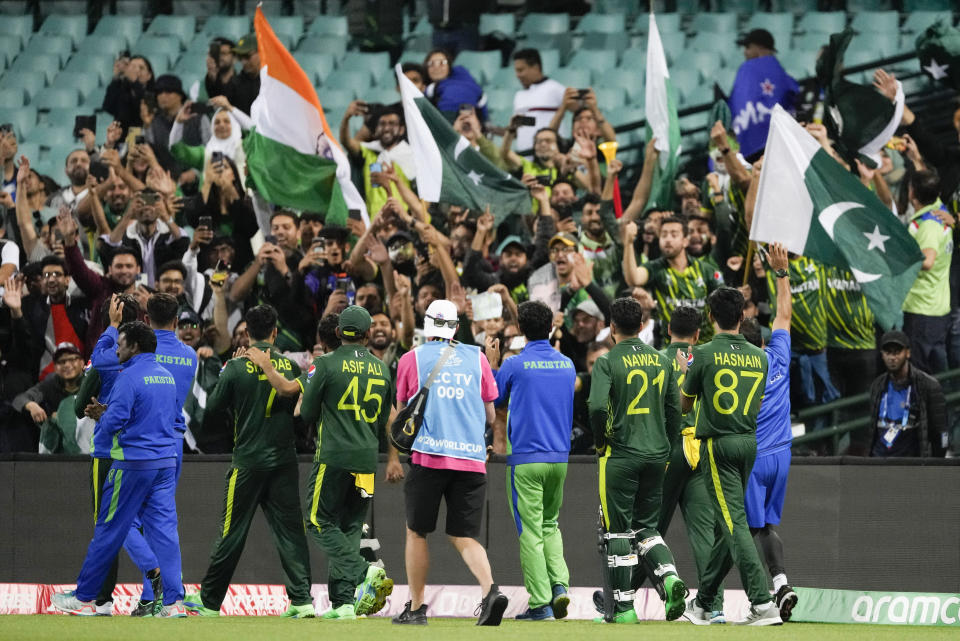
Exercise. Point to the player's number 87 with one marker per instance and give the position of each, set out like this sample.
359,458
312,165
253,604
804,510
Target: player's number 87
723,390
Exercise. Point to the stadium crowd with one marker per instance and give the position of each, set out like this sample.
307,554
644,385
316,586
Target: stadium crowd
161,202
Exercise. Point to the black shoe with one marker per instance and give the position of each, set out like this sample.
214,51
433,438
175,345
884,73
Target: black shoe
598,601
156,584
492,607
786,600
412,617
144,609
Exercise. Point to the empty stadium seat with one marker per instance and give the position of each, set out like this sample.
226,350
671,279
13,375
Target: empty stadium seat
97,44
179,27
698,95
12,98
9,49
93,99
382,95
373,63
317,65
706,63
49,136
328,26
483,65
83,82
30,82
17,26
72,27
886,22
127,27
595,61
603,41
151,46
602,23
610,97
550,59
545,23
28,149
23,119
48,65
560,44
780,22
505,78
288,28
918,21
46,44
666,23
336,45
355,81
54,97
822,21
572,77
811,40
233,27
336,99
505,23
102,65
719,44
500,100
927,5
725,23
685,80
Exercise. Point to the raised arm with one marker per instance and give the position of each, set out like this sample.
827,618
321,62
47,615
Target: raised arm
28,233
641,193
512,160
635,276
739,175
352,143
779,263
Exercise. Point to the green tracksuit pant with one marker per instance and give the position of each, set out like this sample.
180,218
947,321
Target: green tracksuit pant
725,463
276,491
535,493
686,487
630,495
336,510
99,468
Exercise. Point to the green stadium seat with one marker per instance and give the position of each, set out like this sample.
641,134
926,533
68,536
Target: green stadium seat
624,115
810,40
741,6
685,80
180,27
822,21
29,81
72,27
336,45
419,44
103,121
373,63
545,23
328,26
356,81
560,43
927,5
706,63
54,97
635,92
98,44
550,59
725,23
18,26
190,66
127,27
571,77
48,136
722,45
48,65
500,100
723,78
12,98
59,116
505,23
422,28
41,44
23,119
317,65
627,7
666,23
871,46
886,22
505,78
198,8
83,82
93,100
102,65
595,61
701,94
781,22
288,28
603,41
336,99
635,58
610,97
381,95
9,50
28,149
602,23
233,27
150,45
918,21
855,6
481,64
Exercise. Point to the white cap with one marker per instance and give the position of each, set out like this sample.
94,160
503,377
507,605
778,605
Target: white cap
441,310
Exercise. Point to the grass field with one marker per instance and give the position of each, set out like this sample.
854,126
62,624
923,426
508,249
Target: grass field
62,628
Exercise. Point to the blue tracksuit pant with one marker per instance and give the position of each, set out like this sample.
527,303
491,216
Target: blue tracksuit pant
131,493
136,545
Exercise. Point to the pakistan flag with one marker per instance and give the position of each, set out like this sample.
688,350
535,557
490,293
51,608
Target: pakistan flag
817,209
938,50
449,169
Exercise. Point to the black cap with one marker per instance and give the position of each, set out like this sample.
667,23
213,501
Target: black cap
334,232
168,83
399,237
65,348
187,315
895,337
223,240
760,37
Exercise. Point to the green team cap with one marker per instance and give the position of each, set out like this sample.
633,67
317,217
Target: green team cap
354,321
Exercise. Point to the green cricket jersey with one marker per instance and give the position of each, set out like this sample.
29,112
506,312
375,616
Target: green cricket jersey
263,432
930,294
729,375
636,387
687,423
808,325
849,319
347,397
672,289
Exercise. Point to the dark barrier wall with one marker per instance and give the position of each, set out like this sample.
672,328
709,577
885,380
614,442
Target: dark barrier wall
855,526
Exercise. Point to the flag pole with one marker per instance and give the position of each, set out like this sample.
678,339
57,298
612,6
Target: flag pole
747,262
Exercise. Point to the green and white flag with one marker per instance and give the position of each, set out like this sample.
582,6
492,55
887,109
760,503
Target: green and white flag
449,169
816,208
938,50
662,121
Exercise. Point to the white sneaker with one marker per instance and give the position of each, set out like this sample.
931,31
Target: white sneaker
695,614
716,617
175,610
105,609
68,603
764,614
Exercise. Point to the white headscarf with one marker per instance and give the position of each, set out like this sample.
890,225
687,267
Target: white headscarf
231,147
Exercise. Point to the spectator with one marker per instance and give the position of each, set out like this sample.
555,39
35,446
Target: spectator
189,327
148,229
55,317
229,207
132,78
386,146
220,68
468,125
539,99
566,280
587,323
228,125
599,243
451,86
907,404
17,434
242,89
8,155
416,74
76,168
170,103
927,306
546,154
31,198
456,24
123,271
42,400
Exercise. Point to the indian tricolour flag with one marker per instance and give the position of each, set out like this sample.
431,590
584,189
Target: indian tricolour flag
292,156
662,121
810,203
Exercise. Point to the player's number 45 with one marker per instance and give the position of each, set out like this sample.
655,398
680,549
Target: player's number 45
353,391
726,381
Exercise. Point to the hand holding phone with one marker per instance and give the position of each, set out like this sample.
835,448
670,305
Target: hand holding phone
206,222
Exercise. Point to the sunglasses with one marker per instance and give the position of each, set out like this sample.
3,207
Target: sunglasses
439,322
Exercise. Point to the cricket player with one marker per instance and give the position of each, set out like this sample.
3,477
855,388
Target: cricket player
348,397
767,485
260,388
140,417
728,375
634,404
538,446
